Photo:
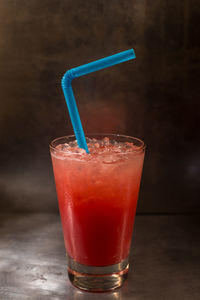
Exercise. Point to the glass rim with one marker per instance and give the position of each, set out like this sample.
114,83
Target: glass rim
140,148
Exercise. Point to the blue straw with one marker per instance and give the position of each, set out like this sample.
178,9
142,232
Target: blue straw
80,71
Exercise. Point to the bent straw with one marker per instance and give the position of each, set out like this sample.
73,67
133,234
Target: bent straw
80,71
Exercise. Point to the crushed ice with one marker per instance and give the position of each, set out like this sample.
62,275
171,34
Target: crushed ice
111,150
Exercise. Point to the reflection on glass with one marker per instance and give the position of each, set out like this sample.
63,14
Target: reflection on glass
79,295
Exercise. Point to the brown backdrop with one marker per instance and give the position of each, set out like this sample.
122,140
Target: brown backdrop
155,97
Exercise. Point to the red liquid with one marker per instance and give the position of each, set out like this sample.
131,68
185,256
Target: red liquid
97,204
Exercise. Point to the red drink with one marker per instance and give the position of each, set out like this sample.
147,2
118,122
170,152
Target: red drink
97,196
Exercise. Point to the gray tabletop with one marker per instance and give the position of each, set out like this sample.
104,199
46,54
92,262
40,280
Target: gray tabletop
164,261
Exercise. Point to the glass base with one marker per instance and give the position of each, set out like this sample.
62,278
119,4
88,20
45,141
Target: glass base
97,279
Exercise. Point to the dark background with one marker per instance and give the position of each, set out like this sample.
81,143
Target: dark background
154,97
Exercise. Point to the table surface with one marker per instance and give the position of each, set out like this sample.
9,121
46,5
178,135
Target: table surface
164,260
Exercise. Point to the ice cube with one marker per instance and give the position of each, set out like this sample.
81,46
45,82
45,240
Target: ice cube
80,150
108,159
106,141
96,145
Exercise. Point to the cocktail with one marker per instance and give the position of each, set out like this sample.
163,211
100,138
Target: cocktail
97,181
97,194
